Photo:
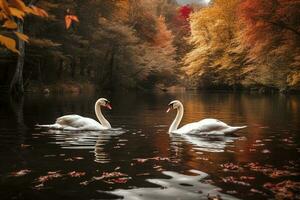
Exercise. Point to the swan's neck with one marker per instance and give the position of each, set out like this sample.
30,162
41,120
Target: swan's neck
177,120
100,116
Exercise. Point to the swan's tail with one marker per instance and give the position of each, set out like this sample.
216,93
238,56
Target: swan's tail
49,126
233,129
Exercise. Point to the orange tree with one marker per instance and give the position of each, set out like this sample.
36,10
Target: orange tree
12,13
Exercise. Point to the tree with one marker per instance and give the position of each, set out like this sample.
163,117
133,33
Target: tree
10,10
216,59
271,34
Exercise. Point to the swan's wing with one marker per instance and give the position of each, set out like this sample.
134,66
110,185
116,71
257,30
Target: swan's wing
203,126
67,120
208,125
188,128
78,122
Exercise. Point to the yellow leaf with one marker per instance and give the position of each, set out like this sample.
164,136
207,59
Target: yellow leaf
38,11
4,6
22,36
18,4
8,43
10,24
3,16
17,13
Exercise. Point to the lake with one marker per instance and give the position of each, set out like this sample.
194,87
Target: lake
138,159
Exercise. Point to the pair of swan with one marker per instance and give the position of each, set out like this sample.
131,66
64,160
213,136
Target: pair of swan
206,126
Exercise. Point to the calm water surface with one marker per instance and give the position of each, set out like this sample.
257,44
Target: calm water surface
139,159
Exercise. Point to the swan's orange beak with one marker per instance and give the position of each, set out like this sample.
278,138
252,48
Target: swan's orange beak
108,106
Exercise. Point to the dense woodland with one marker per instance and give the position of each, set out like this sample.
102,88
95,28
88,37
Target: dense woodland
143,44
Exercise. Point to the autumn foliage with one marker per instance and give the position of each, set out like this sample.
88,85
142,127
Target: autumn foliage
10,9
245,44
185,11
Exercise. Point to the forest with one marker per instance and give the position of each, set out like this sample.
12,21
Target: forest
147,44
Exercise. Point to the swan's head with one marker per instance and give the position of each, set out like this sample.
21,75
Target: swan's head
104,102
174,105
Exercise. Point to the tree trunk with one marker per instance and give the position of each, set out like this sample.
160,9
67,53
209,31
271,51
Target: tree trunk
16,85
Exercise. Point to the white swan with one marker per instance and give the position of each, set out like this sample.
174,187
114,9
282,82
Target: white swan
205,126
76,122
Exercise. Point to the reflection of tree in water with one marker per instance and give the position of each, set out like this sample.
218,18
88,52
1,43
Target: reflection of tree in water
17,105
92,140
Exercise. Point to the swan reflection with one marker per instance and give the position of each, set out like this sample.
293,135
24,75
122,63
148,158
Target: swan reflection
93,140
216,143
101,155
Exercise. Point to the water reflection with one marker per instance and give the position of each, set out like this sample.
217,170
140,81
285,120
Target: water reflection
177,186
94,140
202,143
144,149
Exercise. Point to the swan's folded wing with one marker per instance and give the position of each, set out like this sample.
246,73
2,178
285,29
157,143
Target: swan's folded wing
69,120
188,128
203,126
208,125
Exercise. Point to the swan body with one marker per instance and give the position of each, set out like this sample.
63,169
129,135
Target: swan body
205,126
77,122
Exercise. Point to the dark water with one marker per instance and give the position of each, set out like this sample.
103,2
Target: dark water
139,159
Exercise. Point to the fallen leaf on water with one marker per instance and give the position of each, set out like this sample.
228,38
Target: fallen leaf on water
49,176
108,177
117,180
247,178
279,173
142,160
231,179
286,190
112,174
231,167
270,170
22,172
76,174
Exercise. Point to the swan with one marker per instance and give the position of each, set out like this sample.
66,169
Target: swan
205,126
77,122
